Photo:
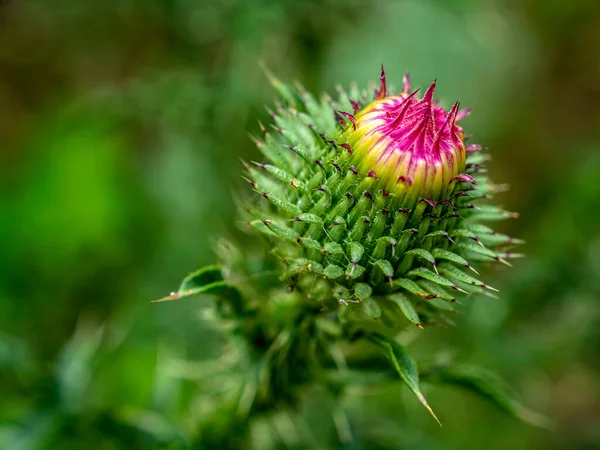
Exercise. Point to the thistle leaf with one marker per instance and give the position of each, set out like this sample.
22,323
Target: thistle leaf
208,280
405,366
489,386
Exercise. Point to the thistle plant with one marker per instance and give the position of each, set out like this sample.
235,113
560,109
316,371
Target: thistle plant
367,218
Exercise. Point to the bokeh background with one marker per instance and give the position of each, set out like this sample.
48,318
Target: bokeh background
121,128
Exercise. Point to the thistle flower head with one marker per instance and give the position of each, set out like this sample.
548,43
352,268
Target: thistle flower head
414,145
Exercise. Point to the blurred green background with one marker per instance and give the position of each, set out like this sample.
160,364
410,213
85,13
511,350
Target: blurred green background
121,128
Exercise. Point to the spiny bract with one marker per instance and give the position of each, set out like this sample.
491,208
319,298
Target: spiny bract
375,202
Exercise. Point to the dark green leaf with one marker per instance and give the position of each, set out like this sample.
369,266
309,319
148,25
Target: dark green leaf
405,366
489,386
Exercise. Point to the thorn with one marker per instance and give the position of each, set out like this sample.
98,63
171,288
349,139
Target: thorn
463,194
464,178
421,398
429,202
447,203
468,266
419,326
382,85
405,179
503,261
263,129
450,119
372,174
485,286
428,97
435,267
355,106
452,115
456,288
337,166
339,119
350,117
347,147
514,255
354,170
251,182
406,83
476,239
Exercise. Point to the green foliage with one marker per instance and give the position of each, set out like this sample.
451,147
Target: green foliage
291,334
122,128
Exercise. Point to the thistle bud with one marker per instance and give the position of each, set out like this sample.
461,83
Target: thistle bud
413,145
371,202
